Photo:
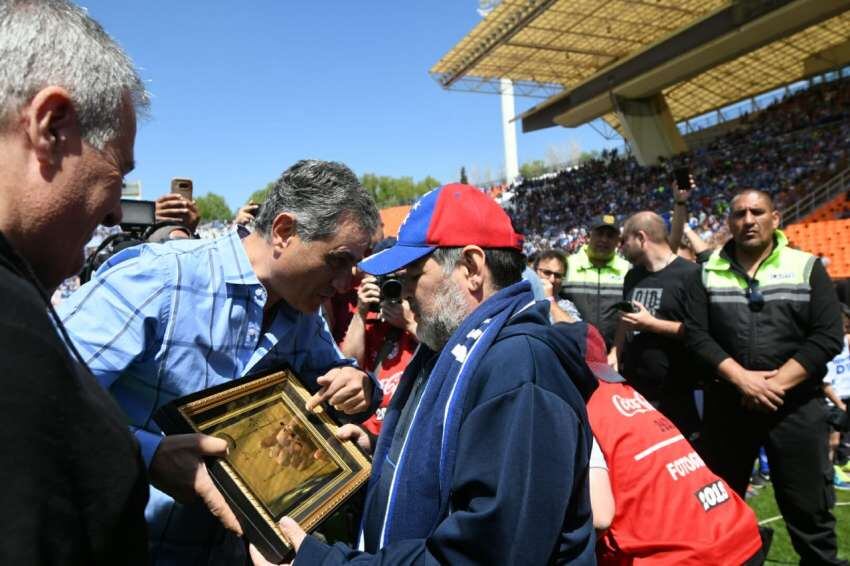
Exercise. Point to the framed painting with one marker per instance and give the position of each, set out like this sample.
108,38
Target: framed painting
282,459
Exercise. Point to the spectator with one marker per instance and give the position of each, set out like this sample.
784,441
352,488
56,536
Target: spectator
595,275
161,321
74,485
475,464
765,317
837,391
787,150
551,268
650,341
247,214
177,208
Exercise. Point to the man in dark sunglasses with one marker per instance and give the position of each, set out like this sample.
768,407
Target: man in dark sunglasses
766,317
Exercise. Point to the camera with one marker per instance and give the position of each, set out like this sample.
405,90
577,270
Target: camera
138,225
391,288
137,215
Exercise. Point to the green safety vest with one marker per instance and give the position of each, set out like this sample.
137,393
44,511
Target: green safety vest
596,290
767,338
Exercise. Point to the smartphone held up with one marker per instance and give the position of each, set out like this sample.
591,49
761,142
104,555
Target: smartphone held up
183,187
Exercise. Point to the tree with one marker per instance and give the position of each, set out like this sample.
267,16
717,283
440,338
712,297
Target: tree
426,185
213,207
463,178
260,195
394,191
533,169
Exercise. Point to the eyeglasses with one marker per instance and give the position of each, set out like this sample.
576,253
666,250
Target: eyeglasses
549,273
755,300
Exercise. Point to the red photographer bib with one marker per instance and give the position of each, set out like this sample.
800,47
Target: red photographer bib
670,508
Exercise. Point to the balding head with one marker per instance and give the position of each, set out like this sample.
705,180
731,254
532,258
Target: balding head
650,224
644,238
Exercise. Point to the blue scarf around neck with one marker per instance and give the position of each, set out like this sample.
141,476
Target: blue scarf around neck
421,483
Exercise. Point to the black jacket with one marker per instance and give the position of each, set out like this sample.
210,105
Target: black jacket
808,331
73,486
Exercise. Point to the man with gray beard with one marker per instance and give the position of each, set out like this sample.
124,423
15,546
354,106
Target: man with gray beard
484,450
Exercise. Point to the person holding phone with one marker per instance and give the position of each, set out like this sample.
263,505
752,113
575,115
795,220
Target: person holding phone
179,206
649,347
247,213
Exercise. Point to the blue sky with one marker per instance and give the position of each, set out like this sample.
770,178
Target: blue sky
242,90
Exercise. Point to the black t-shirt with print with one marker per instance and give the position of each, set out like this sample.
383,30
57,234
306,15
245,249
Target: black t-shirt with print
655,364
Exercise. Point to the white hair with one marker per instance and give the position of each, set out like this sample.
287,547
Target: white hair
55,43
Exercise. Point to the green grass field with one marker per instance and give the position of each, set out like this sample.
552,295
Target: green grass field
781,551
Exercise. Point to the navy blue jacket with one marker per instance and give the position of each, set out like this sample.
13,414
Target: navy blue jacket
520,487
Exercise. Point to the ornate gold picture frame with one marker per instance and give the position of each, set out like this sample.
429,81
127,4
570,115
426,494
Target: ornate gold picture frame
282,460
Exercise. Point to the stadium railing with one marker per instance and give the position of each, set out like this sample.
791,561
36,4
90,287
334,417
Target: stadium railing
838,184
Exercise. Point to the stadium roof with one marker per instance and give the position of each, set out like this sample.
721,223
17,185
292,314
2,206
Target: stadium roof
703,55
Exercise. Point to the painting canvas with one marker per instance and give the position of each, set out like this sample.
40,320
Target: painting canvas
282,460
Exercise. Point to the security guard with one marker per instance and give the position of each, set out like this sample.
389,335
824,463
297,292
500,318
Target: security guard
767,318
595,274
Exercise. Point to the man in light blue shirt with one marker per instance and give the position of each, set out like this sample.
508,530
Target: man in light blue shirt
161,321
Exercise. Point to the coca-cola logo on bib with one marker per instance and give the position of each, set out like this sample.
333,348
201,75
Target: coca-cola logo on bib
631,406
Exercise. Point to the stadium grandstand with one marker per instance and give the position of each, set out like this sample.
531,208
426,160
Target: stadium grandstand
650,71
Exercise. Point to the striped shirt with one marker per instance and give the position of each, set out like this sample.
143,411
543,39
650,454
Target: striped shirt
160,321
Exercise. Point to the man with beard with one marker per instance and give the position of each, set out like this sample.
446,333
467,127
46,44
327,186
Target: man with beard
766,318
651,339
484,451
595,275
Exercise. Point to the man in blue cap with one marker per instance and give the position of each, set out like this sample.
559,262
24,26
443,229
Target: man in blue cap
484,450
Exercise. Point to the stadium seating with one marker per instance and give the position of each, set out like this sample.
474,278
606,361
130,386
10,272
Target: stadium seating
837,208
829,239
789,149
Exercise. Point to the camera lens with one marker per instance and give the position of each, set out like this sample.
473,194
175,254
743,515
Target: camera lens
391,290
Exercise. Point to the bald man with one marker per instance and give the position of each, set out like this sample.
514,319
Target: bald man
649,345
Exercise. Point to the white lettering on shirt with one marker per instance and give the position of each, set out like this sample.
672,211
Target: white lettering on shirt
680,467
631,406
712,495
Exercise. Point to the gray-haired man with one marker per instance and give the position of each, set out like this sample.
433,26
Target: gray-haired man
165,320
73,483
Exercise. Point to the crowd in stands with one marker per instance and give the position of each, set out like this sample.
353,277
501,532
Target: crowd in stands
213,229
145,415
787,149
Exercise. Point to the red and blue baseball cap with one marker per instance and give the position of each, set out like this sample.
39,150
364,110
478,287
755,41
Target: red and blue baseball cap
451,216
